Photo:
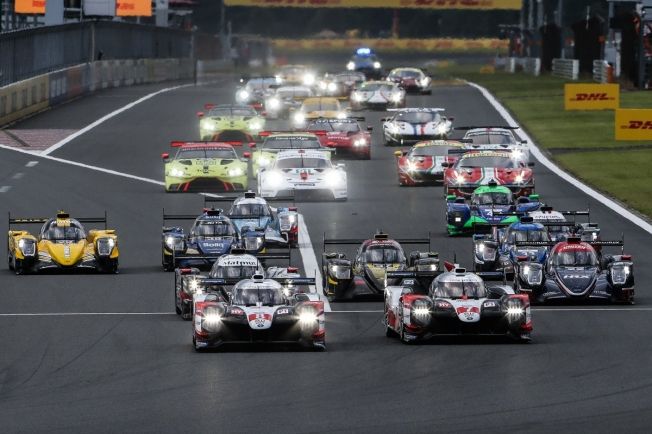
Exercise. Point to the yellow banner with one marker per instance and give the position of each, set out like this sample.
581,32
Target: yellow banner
633,124
29,7
591,96
133,8
349,45
393,4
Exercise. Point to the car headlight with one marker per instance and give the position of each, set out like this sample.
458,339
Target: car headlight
27,247
420,311
350,66
332,87
341,115
236,171
334,178
174,243
254,243
377,65
459,179
278,79
360,142
308,318
286,221
441,129
594,236
273,103
487,253
308,79
411,166
242,95
256,125
424,82
211,320
518,178
393,128
340,272
357,97
274,179
531,274
396,97
263,161
177,173
427,267
620,274
105,246
515,311
323,85
517,154
299,118
208,124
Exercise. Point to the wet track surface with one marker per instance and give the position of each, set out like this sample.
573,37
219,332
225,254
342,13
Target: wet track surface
133,368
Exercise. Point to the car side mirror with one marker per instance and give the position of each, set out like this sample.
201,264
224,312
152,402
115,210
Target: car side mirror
252,145
450,118
445,164
165,155
398,153
530,164
370,128
246,155
200,114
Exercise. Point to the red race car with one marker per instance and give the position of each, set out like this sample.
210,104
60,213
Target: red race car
422,164
345,136
477,168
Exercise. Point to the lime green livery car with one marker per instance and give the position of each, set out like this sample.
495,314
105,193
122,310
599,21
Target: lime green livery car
230,122
265,154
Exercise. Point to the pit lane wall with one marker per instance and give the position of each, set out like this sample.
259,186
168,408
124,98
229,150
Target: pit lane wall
26,97
450,45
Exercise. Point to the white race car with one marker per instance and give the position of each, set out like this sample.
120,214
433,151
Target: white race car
412,125
377,95
303,173
285,99
454,303
496,138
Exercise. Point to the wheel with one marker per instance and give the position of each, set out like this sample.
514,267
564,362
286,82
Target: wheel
176,309
17,266
9,260
402,334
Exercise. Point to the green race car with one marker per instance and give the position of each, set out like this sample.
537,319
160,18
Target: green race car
205,166
265,154
230,122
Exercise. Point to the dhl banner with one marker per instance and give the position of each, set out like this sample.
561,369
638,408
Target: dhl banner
633,124
393,4
591,96
133,8
350,45
29,7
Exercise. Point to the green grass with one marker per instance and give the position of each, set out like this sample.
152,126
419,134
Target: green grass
586,138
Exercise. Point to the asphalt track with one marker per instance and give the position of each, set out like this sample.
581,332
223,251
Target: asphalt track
133,368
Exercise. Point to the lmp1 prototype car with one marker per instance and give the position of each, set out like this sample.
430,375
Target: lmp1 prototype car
340,85
411,79
205,166
576,272
365,61
377,95
255,90
455,303
230,122
422,164
315,108
366,274
62,245
485,138
303,174
257,310
490,204
296,74
274,142
476,168
344,136
411,125
285,100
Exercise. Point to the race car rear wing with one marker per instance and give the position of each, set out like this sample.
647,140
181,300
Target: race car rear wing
41,220
358,241
570,240
231,199
417,109
169,217
180,143
281,255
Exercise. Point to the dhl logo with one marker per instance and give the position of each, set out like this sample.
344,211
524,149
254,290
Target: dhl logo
592,97
38,3
637,125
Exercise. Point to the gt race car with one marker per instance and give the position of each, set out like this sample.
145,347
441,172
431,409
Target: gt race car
284,100
422,164
264,154
344,136
576,272
230,122
340,85
490,204
364,60
296,74
477,168
365,275
303,174
413,80
320,107
255,89
486,138
411,125
62,245
377,95
205,166
258,311
456,303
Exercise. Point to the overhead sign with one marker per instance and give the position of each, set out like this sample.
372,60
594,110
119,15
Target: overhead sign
29,7
133,8
591,96
393,4
633,124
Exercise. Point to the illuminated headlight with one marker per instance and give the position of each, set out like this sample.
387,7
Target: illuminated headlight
274,179
427,267
458,219
27,247
620,274
350,66
514,311
174,243
287,292
517,154
377,65
309,79
442,129
256,125
307,318
340,272
396,97
485,252
211,321
424,82
273,104
253,243
278,79
193,286
518,178
357,97
264,162
286,221
299,118
360,142
332,87
531,274
420,311
242,95
177,173
323,85
393,128
334,178
207,124
411,166
594,236
459,179
236,171
105,246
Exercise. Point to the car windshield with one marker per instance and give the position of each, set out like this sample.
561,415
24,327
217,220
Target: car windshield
209,228
206,153
301,162
235,272
575,258
334,125
406,73
267,296
288,142
459,289
330,106
293,93
502,162
231,112
431,151
523,235
417,117
261,83
250,209
492,198
345,78
494,138
375,87
384,255
63,233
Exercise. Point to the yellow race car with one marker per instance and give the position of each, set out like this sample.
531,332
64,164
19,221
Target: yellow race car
61,245
319,107
265,153
230,122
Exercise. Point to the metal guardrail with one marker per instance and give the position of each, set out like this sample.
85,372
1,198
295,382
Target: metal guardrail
566,68
28,53
529,65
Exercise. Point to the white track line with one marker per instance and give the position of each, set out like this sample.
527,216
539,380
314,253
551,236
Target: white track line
541,157
310,260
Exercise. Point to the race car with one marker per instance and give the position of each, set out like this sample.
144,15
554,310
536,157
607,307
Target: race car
258,311
413,80
377,95
212,234
576,272
340,85
365,274
285,100
344,136
558,227
364,60
62,245
476,168
260,226
456,303
487,138
319,107
411,125
296,74
205,166
274,142
422,164
255,89
230,122
489,204
303,174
